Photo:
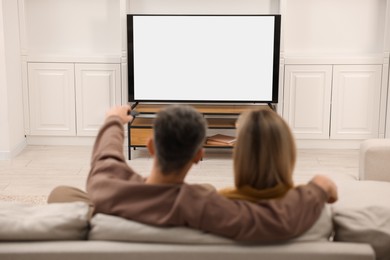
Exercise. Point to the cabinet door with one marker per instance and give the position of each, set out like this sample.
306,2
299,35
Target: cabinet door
307,100
98,88
356,101
51,99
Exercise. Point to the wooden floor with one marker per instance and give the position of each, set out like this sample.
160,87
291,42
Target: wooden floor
38,169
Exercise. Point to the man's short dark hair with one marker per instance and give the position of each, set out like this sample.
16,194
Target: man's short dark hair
179,133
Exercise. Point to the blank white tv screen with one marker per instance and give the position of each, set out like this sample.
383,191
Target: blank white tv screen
203,58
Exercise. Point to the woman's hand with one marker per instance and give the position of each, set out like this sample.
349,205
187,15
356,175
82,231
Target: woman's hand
328,186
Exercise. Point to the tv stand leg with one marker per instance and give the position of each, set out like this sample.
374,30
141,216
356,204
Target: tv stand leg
272,106
134,105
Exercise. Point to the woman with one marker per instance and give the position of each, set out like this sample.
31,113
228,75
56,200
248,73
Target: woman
264,157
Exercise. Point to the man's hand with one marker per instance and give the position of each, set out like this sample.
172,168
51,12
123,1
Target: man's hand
328,186
121,111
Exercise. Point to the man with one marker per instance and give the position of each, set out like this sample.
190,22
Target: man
164,199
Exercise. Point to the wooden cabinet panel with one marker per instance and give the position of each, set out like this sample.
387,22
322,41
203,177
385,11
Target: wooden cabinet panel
140,137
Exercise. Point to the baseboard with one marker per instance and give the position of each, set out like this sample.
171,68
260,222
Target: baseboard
8,155
60,140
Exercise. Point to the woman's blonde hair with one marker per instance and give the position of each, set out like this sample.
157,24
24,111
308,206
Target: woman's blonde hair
265,152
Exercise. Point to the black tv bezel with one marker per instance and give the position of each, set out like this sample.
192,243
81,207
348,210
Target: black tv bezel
276,61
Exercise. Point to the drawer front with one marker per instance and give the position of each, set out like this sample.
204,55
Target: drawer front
140,136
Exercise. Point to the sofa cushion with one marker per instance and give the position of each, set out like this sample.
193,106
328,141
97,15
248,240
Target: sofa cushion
362,215
322,230
374,160
106,227
103,250
57,221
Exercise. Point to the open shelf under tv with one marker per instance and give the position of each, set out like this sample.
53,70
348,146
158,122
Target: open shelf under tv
218,116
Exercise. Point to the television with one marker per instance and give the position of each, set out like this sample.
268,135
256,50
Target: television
203,58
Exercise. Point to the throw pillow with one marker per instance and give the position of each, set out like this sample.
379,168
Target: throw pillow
322,229
57,221
107,227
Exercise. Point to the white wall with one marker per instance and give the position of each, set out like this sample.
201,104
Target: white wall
300,22
12,138
347,27
72,27
3,89
202,6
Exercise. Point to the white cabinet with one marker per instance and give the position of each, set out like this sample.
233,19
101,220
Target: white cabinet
307,100
333,101
331,66
67,99
352,38
97,89
51,99
356,101
72,55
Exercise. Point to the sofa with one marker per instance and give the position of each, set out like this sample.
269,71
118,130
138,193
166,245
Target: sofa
356,227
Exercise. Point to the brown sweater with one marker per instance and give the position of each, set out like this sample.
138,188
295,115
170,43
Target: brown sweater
116,189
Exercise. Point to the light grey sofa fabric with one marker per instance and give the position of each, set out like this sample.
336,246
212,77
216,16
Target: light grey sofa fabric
374,162
102,250
362,215
113,228
57,221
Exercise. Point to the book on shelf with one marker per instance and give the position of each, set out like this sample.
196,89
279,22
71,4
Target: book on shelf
220,139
